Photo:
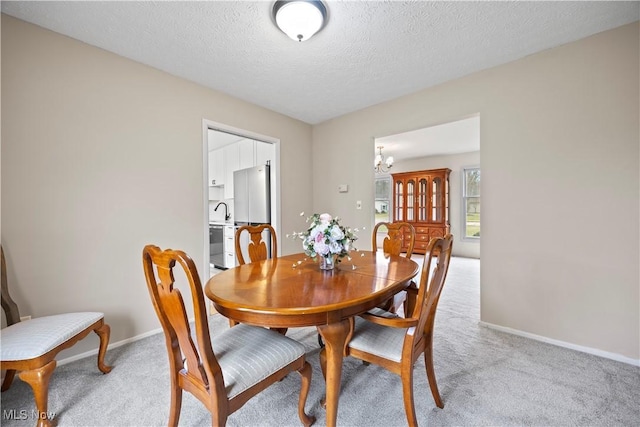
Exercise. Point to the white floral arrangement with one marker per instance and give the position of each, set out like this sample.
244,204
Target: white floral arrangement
326,237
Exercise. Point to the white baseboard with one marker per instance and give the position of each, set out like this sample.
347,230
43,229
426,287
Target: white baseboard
109,347
583,349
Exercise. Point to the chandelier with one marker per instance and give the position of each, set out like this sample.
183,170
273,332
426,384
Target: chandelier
378,162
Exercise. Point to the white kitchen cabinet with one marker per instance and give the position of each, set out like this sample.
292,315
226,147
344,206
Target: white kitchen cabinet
231,164
216,174
246,153
229,246
243,154
216,167
216,193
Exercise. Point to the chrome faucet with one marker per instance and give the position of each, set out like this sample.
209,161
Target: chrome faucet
227,215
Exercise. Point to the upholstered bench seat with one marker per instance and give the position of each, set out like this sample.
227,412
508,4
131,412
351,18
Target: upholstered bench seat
33,338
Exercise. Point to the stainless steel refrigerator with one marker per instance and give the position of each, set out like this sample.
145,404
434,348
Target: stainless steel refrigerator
251,195
252,202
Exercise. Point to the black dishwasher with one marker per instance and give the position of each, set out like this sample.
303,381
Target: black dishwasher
216,245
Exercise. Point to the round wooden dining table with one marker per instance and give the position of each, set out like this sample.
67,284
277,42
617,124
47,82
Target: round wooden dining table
291,291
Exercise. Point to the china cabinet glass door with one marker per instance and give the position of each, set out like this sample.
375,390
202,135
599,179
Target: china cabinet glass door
422,198
436,201
398,204
411,188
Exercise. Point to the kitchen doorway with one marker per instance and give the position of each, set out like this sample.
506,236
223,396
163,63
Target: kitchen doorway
226,150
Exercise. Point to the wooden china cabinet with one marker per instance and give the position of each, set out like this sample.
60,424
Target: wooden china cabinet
421,198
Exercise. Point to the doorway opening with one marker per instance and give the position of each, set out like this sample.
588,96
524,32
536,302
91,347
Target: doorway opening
227,150
454,145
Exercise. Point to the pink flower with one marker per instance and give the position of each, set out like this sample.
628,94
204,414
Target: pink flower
325,218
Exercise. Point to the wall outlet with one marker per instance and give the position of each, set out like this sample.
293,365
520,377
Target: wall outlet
359,204
23,318
343,188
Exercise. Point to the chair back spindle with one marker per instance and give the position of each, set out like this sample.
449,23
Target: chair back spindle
431,288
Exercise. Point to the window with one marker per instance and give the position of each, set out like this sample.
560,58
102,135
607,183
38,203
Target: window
382,199
471,202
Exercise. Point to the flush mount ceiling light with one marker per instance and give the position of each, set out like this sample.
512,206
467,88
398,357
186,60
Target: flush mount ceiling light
299,19
377,163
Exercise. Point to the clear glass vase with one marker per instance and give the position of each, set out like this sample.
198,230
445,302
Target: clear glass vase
327,262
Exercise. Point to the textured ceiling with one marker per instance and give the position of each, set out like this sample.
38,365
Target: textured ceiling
369,52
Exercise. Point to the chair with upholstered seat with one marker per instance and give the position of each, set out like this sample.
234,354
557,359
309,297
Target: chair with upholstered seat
395,343
256,248
228,371
261,243
399,235
29,347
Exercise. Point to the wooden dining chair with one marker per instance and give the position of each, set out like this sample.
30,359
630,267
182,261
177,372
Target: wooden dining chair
257,248
399,235
29,347
228,371
395,343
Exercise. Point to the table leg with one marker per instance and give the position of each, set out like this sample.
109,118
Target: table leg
334,336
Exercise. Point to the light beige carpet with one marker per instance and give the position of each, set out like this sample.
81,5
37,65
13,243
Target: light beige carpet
486,378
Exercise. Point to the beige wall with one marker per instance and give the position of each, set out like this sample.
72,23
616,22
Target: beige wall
102,155
560,185
456,162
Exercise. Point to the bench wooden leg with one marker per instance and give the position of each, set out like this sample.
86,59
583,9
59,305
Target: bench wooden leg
103,332
38,379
